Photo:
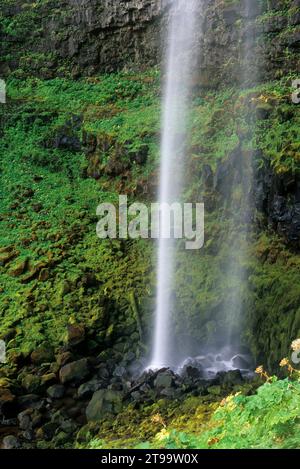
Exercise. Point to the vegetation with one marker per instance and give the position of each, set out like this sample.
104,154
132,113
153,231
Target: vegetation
265,419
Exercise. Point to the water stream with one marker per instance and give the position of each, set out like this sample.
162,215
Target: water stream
181,60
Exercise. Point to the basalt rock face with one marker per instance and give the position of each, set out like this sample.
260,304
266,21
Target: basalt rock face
278,198
84,37
106,35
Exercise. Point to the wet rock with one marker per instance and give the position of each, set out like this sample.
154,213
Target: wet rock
230,378
103,372
240,362
75,372
170,393
28,435
76,334
32,383
57,391
137,396
48,379
10,442
120,371
87,389
164,380
36,418
30,401
192,373
24,419
43,354
75,411
129,356
68,426
104,402
205,361
64,358
277,196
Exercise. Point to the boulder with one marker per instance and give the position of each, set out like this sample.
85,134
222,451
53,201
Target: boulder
30,401
24,419
86,390
63,358
230,378
57,391
32,383
240,362
192,372
75,372
43,354
164,380
76,334
10,442
104,402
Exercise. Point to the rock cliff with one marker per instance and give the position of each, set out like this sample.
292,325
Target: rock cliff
84,37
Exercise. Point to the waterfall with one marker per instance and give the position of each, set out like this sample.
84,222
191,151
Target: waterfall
241,211
181,62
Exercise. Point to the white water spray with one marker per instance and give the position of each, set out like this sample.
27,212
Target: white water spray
181,62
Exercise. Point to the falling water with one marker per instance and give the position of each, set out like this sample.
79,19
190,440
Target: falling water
242,210
180,64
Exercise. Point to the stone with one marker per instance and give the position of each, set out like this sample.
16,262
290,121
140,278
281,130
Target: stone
57,391
119,371
30,401
103,372
76,334
191,372
129,356
43,354
240,362
48,379
24,419
230,378
104,402
136,396
164,380
74,372
170,393
28,435
10,442
32,383
68,426
64,358
36,418
86,390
